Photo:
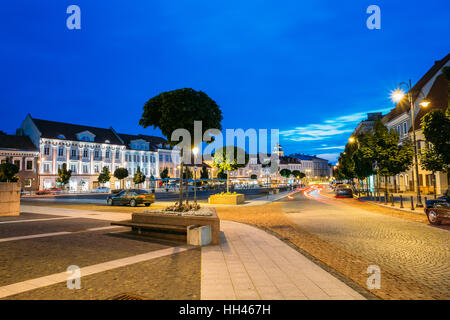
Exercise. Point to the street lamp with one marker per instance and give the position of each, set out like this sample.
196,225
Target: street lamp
351,139
397,96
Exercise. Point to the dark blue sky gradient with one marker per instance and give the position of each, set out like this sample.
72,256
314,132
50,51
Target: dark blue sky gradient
268,64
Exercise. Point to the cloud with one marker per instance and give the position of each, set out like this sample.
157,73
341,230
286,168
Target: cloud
332,157
330,148
327,129
332,134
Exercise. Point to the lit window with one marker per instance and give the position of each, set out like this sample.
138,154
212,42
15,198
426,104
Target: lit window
404,128
46,151
27,183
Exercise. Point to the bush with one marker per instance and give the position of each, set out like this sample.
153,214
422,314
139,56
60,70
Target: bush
8,172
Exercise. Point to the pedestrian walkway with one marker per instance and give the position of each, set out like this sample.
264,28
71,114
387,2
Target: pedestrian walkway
402,202
252,264
41,282
248,264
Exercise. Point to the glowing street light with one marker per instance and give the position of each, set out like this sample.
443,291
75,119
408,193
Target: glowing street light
397,95
351,139
424,103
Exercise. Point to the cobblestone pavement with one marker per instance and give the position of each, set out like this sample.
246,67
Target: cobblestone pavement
171,277
414,251
174,277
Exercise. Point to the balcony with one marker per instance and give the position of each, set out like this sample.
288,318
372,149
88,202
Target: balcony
74,157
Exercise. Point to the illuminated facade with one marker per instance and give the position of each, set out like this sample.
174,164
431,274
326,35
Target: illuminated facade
87,150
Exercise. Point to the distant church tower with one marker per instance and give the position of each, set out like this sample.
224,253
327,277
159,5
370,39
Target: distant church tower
278,150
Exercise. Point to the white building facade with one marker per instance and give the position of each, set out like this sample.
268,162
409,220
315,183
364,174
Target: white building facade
87,150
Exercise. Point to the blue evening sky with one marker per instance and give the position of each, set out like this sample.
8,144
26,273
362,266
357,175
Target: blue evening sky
311,69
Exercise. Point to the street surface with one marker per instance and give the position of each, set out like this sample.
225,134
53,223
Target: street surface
412,250
60,242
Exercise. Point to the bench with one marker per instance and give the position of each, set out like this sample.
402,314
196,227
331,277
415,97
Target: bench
196,230
162,231
194,234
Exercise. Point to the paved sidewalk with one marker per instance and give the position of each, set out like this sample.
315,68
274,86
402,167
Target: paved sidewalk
249,264
49,280
252,264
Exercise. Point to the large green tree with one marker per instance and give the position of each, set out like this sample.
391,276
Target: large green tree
285,173
179,108
436,130
230,159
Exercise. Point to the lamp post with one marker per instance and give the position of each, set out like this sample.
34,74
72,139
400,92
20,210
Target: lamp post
397,96
195,151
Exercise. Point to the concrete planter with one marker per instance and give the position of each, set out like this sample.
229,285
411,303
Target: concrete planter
9,199
226,199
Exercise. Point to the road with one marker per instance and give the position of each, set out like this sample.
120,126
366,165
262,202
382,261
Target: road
415,251
160,196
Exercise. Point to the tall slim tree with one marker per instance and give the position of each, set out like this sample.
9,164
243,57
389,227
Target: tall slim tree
138,177
179,108
120,174
204,174
64,175
228,159
384,148
104,176
436,130
432,161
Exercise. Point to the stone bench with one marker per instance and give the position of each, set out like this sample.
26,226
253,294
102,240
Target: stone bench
196,230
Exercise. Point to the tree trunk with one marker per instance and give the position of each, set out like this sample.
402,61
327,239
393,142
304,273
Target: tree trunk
395,184
187,187
228,181
180,200
385,186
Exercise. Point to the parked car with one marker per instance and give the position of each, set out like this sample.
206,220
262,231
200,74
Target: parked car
344,190
132,197
53,190
438,210
101,190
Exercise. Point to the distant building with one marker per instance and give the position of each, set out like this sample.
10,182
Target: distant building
313,166
367,125
21,152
